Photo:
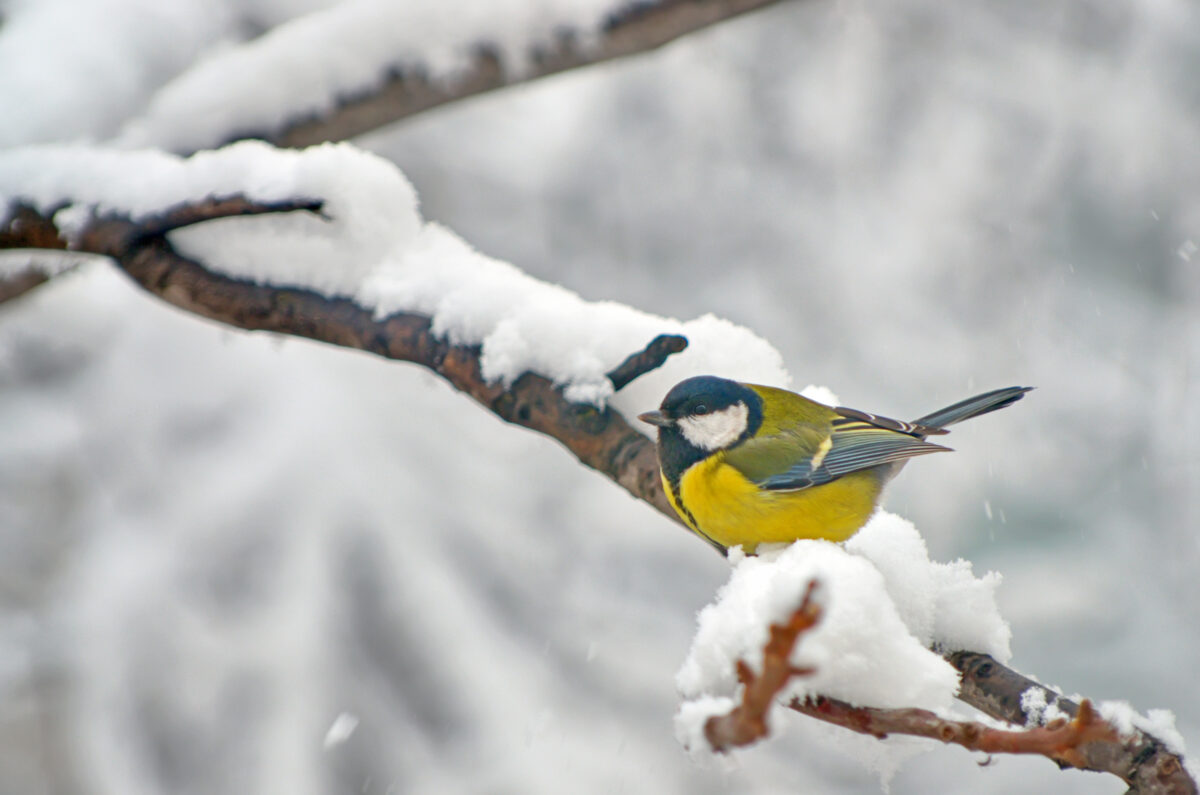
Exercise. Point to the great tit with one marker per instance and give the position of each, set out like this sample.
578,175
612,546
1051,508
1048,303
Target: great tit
748,464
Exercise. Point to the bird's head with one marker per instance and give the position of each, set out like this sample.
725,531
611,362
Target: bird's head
708,413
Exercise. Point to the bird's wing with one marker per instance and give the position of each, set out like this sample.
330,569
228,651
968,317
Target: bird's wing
801,458
851,419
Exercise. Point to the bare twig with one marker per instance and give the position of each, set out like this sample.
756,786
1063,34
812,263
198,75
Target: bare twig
637,27
1066,742
600,439
747,722
649,358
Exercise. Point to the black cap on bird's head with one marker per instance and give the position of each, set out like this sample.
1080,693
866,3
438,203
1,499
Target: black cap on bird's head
706,413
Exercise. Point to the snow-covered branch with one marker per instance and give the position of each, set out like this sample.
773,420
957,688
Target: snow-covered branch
636,28
405,60
421,309
1081,739
601,438
747,722
1139,758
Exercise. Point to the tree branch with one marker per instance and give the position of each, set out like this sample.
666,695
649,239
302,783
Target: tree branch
1142,761
638,27
1068,743
747,722
1085,741
600,439
26,228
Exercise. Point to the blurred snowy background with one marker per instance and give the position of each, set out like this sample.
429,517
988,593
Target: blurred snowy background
212,543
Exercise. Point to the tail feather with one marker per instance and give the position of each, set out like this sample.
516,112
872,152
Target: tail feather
974,406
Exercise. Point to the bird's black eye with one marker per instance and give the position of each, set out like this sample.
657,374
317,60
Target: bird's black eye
700,409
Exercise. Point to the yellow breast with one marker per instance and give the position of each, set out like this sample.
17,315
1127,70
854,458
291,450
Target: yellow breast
718,502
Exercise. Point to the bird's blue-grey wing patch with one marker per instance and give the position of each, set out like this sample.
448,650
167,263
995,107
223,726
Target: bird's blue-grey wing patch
796,477
849,451
866,448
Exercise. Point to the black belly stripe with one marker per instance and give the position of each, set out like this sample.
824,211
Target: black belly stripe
675,492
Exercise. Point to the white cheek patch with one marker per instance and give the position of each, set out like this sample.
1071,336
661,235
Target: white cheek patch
719,429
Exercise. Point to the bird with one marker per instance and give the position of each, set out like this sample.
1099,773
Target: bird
745,464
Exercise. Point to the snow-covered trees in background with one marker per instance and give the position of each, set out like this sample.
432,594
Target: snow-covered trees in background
329,243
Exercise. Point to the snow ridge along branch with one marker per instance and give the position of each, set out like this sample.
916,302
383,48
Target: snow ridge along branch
601,438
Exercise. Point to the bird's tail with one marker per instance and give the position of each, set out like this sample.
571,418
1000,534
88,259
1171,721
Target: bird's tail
973,407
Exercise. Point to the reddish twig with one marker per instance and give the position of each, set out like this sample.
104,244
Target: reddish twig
747,722
1061,740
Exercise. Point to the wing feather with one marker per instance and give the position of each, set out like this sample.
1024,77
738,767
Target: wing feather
798,460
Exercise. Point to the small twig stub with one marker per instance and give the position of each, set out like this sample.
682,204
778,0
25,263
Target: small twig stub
649,358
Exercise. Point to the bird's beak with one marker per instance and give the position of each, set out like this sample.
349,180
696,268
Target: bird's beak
656,418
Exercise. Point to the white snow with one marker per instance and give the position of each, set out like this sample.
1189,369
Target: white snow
340,730
173,74
887,604
690,720
943,604
798,195
1158,723
61,78
370,243
862,651
1038,710
303,67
